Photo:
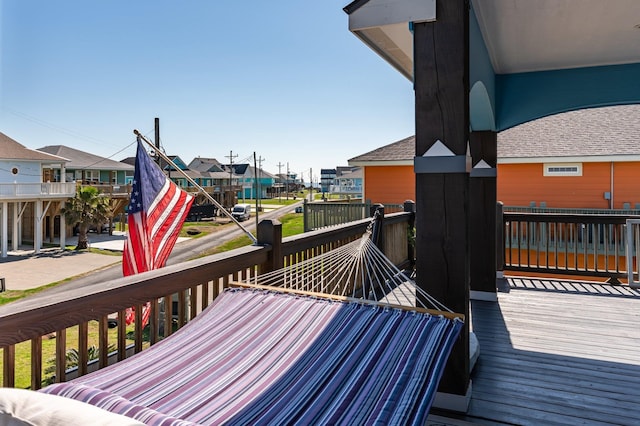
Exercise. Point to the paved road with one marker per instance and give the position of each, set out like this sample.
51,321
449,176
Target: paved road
32,271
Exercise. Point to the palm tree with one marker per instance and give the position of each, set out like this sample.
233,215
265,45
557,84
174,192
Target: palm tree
87,208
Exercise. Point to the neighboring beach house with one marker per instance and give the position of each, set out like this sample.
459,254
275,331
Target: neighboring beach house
588,158
348,182
387,172
252,178
215,180
89,169
112,178
30,197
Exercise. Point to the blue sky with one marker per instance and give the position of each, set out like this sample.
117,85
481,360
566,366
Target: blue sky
284,79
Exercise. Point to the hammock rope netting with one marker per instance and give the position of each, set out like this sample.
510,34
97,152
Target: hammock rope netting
357,270
264,356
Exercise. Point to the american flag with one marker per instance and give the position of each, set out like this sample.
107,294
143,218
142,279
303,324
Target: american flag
156,212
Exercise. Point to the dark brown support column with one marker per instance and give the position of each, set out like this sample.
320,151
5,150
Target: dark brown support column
441,84
482,215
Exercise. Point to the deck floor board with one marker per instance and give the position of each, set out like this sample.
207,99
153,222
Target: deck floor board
557,353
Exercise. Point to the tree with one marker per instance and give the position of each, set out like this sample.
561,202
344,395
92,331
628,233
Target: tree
87,208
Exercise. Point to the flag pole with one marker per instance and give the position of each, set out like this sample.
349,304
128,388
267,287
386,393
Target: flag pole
192,182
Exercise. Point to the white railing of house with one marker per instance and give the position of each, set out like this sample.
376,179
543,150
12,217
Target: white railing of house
633,243
44,189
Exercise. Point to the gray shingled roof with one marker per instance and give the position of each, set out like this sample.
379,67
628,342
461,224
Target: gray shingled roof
83,160
205,164
402,150
593,132
613,130
12,150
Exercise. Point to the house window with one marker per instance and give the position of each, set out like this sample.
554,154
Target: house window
92,176
569,169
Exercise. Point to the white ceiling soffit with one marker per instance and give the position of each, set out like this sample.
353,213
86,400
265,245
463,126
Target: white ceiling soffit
520,35
538,35
384,26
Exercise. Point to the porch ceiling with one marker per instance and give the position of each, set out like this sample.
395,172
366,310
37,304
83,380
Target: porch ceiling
521,35
525,35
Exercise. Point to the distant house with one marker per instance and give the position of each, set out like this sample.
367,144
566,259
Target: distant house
112,178
217,181
88,169
326,179
348,182
388,176
588,158
256,183
30,196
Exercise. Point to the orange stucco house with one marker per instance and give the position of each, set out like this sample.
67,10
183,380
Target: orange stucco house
588,158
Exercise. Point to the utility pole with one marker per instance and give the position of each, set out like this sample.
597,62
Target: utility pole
280,177
259,186
158,148
230,157
301,181
157,128
286,182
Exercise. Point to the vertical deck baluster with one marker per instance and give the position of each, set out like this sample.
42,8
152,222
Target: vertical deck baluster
578,229
9,366
194,293
225,284
547,243
204,302
508,241
61,356
607,236
103,341
619,235
122,335
138,329
83,347
596,244
168,315
154,317
585,244
556,237
36,363
182,311
519,241
537,235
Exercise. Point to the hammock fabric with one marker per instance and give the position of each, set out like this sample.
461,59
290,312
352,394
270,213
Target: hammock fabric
263,357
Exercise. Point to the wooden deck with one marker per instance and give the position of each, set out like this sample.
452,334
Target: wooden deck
557,353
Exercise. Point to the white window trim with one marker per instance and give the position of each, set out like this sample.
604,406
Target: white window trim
576,169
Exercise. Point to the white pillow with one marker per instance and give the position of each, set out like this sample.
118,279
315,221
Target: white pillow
20,407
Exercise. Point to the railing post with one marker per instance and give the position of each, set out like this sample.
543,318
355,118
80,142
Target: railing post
270,233
500,246
410,207
305,216
376,235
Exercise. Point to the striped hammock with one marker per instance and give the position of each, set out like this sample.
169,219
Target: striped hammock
267,356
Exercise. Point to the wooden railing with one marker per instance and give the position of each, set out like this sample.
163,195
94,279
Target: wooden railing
189,286
568,244
320,215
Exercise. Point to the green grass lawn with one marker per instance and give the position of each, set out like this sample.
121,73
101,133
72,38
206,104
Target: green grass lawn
23,352
292,224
